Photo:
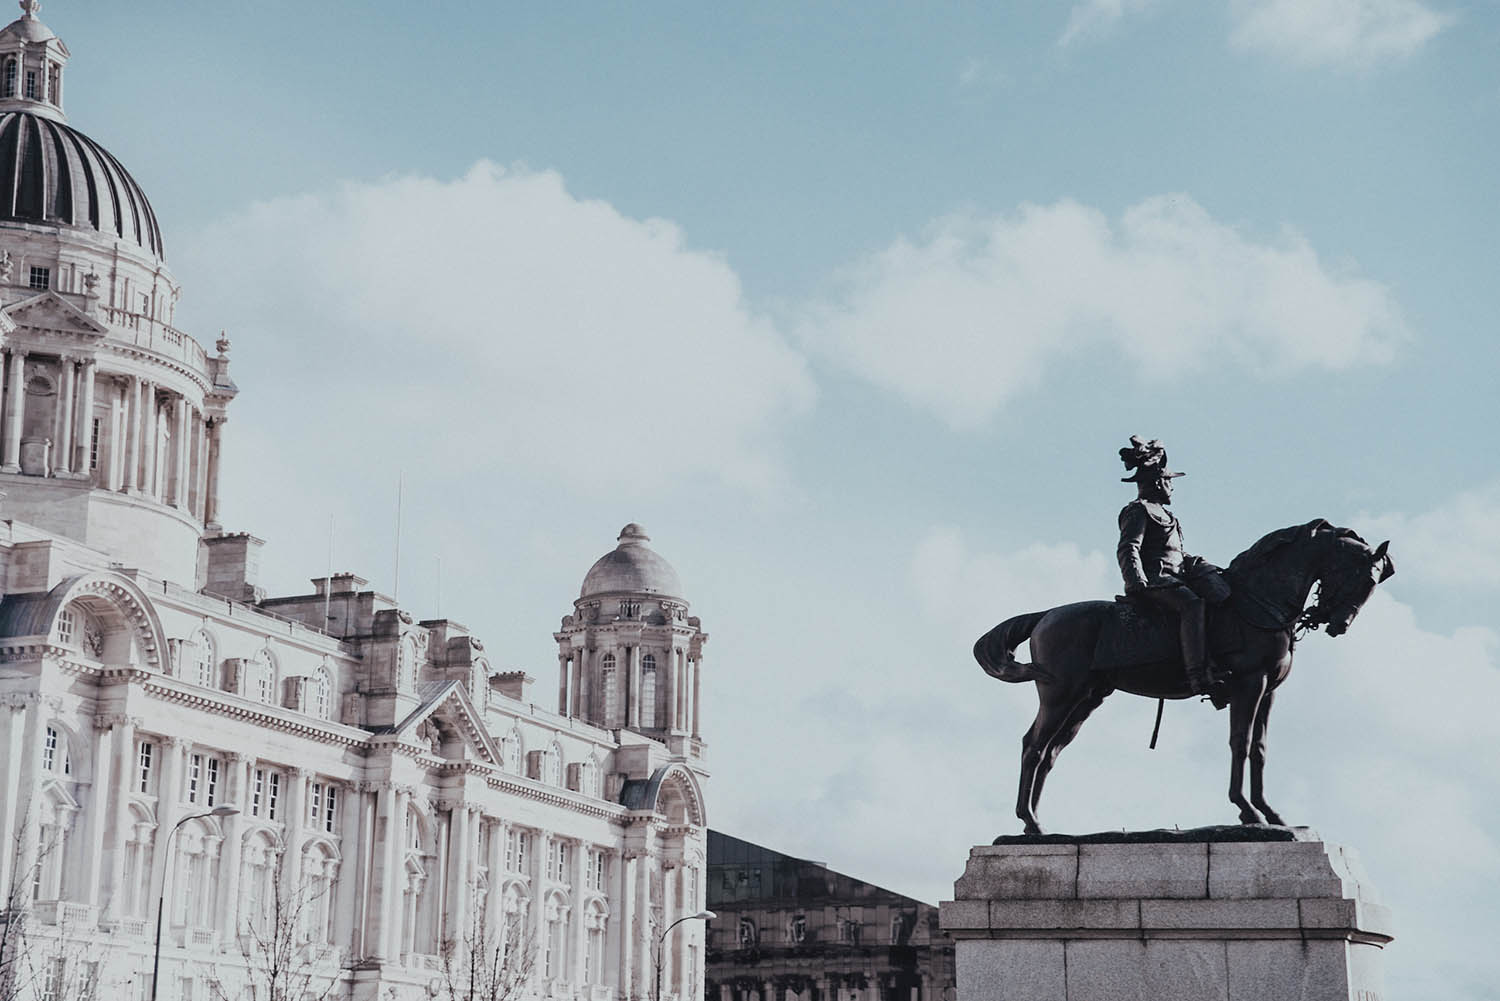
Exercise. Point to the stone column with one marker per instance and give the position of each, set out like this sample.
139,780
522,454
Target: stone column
580,914
117,834
96,815
494,903
15,410
116,469
460,834
237,785
562,683
539,895
12,742
633,692
168,792
644,932
584,686
296,821
623,917
215,442
62,455
383,922
84,452
354,853
150,433
184,441
666,685
697,668
132,460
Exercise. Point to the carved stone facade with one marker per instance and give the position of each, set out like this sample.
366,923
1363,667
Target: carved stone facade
379,783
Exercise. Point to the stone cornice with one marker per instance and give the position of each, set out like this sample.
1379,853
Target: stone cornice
322,730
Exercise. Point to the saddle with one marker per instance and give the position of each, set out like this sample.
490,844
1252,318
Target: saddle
1135,633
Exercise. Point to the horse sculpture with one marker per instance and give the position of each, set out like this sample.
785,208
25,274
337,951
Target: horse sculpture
1270,583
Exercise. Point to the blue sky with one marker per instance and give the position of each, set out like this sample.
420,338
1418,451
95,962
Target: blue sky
852,306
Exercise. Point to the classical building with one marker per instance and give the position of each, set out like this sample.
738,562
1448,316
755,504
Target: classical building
377,788
788,929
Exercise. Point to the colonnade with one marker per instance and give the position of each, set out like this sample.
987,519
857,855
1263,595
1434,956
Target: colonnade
678,688
152,442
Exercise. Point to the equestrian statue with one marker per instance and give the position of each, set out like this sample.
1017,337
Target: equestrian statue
1183,628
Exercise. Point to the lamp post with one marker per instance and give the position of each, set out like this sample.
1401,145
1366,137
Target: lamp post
661,943
166,874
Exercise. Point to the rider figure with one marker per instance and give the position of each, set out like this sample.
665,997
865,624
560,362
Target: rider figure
1152,560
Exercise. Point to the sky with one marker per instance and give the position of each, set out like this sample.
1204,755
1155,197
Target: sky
852,307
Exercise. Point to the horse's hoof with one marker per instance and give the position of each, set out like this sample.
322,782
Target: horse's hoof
1250,818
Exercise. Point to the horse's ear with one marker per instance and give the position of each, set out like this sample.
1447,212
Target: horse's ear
1381,555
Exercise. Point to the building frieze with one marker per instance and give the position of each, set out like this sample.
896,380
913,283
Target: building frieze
323,731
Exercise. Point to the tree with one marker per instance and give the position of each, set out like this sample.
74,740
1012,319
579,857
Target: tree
62,962
281,960
487,964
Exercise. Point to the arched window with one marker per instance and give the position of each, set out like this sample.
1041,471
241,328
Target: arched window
593,957
512,752
203,660
263,677
406,667
554,941
67,626
320,872
552,765
611,692
258,890
322,700
648,691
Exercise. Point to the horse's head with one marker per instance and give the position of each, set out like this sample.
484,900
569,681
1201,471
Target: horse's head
1349,579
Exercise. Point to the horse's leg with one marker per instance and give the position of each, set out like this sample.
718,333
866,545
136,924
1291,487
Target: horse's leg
1064,736
1033,746
1258,758
1246,692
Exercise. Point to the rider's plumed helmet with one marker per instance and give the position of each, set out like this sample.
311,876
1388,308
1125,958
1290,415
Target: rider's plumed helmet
1147,459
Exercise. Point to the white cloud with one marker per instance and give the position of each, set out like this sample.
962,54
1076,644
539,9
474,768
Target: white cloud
1345,33
1456,544
1095,17
496,319
975,311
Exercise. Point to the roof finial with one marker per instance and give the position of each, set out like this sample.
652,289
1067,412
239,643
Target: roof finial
30,7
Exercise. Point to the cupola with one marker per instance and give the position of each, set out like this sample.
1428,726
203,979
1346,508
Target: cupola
31,66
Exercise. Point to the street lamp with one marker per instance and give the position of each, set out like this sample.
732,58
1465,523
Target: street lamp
166,874
661,943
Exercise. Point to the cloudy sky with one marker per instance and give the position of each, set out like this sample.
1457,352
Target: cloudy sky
852,306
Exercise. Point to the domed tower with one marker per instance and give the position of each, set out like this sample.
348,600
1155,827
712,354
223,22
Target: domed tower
629,656
110,417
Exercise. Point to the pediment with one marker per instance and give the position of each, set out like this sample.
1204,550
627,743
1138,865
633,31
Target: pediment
50,311
446,714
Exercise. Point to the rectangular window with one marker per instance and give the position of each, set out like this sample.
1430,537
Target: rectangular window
31,84
67,626
557,861
88,981
517,848
598,871
195,776
257,790
145,755
330,809
94,445
52,980
41,278
273,794
187,989
211,783
49,750
315,805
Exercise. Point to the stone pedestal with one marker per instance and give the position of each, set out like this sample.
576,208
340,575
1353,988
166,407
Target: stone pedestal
1215,914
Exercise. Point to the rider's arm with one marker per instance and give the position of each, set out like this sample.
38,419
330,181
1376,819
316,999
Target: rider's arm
1132,533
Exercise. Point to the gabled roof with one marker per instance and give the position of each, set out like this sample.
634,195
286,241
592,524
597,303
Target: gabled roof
448,704
49,311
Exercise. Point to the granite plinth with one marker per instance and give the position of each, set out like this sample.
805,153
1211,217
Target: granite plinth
1235,914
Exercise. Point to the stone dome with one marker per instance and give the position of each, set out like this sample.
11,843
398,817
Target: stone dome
632,567
52,174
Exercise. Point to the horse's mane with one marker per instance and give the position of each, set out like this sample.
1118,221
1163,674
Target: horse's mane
1259,554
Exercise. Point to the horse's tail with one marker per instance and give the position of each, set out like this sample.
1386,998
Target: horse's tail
996,649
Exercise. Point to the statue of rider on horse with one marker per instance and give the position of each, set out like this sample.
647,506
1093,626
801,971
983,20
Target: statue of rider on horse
1244,621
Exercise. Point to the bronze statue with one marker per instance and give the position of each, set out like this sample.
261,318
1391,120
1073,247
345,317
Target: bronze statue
1083,652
